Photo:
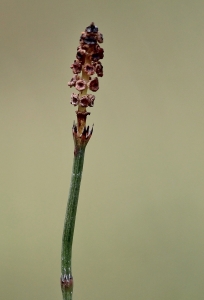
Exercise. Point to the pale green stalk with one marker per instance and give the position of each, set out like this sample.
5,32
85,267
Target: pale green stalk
67,239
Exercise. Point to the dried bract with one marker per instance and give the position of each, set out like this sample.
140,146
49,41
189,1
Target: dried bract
91,100
84,101
99,69
89,69
80,55
74,99
100,37
98,54
73,80
76,67
80,85
93,84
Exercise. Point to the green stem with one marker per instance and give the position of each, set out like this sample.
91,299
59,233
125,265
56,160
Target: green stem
67,239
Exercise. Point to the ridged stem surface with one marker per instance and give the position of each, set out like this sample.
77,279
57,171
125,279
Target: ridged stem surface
67,239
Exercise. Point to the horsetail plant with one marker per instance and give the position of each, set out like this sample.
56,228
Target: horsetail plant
86,64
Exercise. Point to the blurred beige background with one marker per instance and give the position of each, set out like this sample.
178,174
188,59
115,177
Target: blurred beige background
140,222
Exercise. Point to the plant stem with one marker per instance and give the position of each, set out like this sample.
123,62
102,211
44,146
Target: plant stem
87,62
67,239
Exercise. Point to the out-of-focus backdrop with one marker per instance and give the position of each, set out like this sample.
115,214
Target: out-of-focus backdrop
140,221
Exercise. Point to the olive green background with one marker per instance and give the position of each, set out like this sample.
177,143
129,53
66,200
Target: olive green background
140,223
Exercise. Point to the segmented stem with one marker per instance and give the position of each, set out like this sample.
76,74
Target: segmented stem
67,239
